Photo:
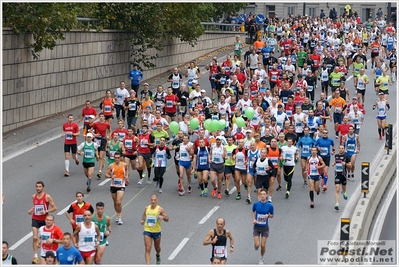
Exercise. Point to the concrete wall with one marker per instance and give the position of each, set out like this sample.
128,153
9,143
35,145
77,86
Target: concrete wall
81,67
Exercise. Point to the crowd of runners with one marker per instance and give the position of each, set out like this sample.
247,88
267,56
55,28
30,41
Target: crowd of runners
275,101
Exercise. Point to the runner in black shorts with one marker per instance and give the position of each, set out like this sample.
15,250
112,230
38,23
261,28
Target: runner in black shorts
341,163
175,146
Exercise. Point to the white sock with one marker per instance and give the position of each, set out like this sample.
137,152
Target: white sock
67,165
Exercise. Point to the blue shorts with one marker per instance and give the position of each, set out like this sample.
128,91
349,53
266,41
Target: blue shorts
213,84
381,118
350,154
337,118
314,177
229,169
185,164
152,235
251,173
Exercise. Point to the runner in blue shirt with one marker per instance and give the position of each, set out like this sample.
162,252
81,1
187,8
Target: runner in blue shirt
306,142
325,146
262,210
69,255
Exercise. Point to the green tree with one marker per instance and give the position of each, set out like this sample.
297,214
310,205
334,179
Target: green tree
145,25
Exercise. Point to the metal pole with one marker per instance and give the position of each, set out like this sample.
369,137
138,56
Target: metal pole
304,9
389,12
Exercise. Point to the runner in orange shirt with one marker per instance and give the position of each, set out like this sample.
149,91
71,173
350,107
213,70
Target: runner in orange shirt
259,44
338,105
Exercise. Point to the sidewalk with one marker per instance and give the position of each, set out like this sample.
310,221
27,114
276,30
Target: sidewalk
40,132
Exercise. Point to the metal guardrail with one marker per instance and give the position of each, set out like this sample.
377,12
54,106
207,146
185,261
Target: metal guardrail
114,24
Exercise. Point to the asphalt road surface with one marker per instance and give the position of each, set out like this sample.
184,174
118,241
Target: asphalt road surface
294,230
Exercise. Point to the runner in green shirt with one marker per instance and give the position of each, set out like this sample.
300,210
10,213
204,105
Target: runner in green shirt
301,57
104,225
229,163
357,66
383,82
113,146
159,132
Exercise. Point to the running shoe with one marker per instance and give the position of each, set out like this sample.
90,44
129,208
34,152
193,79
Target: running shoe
219,196
66,173
261,261
214,192
344,195
380,137
35,260
88,189
383,132
160,190
305,184
255,190
206,192
246,187
157,184
287,194
178,184
336,137
143,175
158,259
279,188
77,161
336,206
148,180
226,192
127,182
238,197
181,192
324,188
311,204
107,243
249,200
117,219
140,181
99,174
189,189
202,193
120,222
269,198
318,192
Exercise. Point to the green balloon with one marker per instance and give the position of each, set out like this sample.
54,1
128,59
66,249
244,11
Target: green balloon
194,122
222,124
214,126
174,127
250,113
240,122
207,124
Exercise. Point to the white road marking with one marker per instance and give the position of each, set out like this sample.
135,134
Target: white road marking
22,240
66,208
179,247
349,78
209,215
104,182
232,191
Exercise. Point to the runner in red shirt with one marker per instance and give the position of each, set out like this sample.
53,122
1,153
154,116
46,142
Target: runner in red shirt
201,135
274,74
122,132
41,208
287,46
316,62
171,105
130,142
100,130
86,112
227,64
343,128
70,130
300,83
50,235
146,142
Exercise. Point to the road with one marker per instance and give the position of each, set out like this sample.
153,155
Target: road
294,230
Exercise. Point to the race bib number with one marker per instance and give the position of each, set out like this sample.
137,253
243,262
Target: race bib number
132,106
169,104
128,143
310,88
39,209
107,108
261,218
151,220
351,147
118,181
305,149
203,160
89,153
219,251
79,218
339,167
88,239
45,236
68,136
324,151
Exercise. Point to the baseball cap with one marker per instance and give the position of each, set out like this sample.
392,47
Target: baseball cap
273,119
263,81
218,138
203,91
380,93
279,106
91,116
90,135
146,84
50,254
194,81
354,97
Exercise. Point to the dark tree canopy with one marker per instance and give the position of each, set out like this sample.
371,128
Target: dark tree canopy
146,25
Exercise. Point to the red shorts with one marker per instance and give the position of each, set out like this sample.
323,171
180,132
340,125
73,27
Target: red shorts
87,254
